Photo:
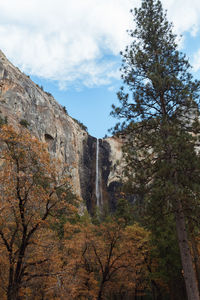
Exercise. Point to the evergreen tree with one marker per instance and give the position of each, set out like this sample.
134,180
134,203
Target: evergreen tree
158,105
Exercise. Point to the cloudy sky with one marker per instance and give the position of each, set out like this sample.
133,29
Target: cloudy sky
72,48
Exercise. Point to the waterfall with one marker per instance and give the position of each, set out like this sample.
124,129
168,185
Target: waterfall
97,174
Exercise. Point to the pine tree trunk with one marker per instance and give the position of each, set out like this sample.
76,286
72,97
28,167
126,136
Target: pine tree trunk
196,259
186,258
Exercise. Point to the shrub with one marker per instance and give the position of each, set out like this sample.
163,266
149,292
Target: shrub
24,123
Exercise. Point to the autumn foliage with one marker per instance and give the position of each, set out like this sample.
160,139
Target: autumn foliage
32,194
48,251
106,260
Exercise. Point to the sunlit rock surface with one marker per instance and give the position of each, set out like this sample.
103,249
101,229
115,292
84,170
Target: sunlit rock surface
22,101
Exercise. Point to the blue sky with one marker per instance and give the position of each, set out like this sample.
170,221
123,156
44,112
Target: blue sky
71,48
90,105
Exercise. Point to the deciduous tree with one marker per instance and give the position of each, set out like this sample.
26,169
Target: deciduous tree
106,260
32,194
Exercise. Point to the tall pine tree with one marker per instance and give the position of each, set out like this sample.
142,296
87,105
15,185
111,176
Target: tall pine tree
158,105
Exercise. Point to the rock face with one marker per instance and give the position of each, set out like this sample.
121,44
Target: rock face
23,102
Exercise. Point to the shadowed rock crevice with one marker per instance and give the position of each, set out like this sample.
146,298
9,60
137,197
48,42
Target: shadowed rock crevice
87,172
50,142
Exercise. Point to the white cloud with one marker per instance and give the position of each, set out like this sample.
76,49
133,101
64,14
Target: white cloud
185,15
67,41
196,61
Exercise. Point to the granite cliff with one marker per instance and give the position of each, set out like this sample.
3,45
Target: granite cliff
24,102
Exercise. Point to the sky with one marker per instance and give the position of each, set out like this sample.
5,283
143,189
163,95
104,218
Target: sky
72,48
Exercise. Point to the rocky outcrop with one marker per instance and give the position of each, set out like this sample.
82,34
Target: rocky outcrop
23,102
